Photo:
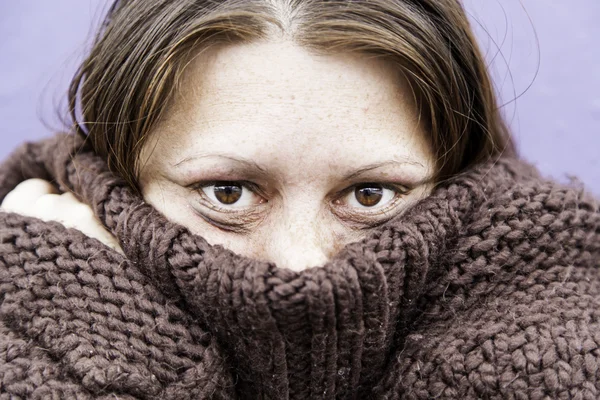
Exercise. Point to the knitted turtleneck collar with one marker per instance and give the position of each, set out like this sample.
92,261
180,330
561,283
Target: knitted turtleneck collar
489,288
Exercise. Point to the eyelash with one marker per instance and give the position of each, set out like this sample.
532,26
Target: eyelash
364,217
397,189
245,184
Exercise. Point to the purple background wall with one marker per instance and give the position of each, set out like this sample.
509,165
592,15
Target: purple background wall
547,72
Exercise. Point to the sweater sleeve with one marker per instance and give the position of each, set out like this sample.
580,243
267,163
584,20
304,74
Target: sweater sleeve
516,314
539,343
78,320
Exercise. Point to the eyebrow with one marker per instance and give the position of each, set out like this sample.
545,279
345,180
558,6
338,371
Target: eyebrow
240,160
373,166
252,165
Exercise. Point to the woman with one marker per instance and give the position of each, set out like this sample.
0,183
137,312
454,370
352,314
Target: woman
383,240
362,82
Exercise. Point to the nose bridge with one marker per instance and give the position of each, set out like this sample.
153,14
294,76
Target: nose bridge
297,240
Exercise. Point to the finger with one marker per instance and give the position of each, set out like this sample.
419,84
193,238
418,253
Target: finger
82,217
72,213
64,208
24,196
48,207
70,199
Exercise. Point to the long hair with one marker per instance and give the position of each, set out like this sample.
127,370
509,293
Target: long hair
123,87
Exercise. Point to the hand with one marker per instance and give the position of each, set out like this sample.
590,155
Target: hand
38,198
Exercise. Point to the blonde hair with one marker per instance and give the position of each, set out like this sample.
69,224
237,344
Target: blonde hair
124,85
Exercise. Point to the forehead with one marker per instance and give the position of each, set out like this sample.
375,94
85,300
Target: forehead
282,73
275,99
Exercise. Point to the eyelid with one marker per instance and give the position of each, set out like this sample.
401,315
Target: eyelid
396,187
238,219
199,186
366,218
247,184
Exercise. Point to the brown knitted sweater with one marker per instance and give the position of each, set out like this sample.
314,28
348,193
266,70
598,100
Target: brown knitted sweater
488,289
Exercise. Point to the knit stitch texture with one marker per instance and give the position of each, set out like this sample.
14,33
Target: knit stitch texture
487,289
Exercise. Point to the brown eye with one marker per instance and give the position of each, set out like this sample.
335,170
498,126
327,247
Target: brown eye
368,195
227,193
231,194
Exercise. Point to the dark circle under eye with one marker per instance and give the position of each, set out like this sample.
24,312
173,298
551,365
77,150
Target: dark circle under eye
227,193
368,195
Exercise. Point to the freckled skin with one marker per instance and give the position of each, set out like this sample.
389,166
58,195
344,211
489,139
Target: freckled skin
309,121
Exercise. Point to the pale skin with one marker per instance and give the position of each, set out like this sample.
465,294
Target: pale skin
275,153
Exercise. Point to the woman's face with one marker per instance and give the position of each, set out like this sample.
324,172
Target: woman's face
286,156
